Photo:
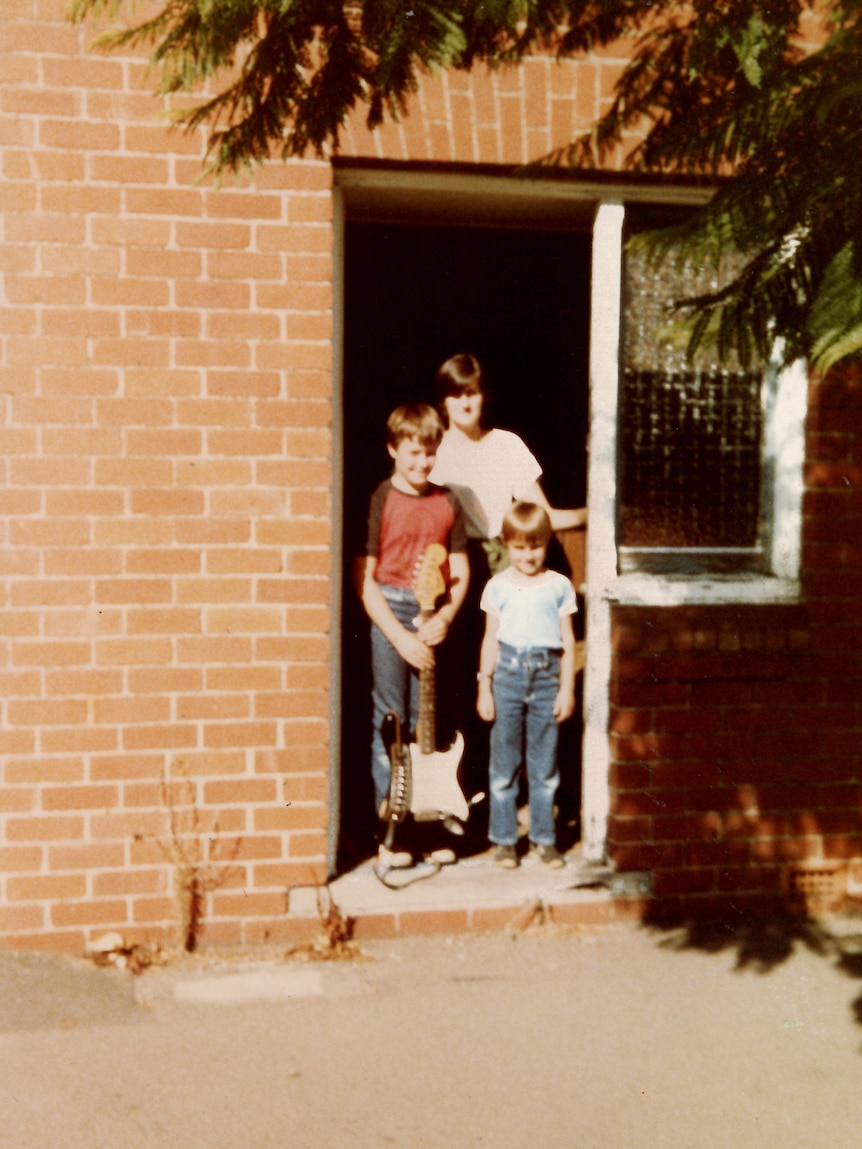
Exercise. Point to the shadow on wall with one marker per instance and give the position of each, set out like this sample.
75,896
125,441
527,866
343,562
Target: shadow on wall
735,776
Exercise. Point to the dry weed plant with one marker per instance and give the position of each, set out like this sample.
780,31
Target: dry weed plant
195,873
335,940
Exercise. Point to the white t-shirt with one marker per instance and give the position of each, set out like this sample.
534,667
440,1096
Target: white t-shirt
529,609
487,475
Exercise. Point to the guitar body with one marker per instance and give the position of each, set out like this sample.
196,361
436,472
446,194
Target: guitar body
435,789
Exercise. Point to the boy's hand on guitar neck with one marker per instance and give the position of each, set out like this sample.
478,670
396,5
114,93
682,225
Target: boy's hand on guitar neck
433,630
414,651
416,647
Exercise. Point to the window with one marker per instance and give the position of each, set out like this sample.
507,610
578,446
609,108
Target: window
697,466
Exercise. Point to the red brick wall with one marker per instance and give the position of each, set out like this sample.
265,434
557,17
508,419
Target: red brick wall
165,500
166,484
506,116
736,732
165,529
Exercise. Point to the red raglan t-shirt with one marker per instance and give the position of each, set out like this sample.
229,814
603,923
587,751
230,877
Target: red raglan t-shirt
402,526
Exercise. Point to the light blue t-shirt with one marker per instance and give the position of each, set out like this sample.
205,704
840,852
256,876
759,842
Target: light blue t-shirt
529,609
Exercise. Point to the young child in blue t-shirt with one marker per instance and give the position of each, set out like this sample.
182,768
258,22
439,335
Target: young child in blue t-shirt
526,682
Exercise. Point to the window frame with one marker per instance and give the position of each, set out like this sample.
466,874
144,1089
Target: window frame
768,572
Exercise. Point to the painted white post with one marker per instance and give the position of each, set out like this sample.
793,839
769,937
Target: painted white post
785,446
605,318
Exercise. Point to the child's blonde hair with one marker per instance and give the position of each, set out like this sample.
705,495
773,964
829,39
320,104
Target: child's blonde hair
526,523
414,420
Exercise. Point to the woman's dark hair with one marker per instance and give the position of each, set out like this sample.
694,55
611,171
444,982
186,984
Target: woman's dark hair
458,374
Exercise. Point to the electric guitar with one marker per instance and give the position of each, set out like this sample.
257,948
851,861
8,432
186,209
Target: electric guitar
434,788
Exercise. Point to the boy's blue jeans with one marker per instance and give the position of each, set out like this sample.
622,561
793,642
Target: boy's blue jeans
395,686
526,682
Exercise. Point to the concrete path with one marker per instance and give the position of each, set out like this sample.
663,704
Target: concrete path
609,1037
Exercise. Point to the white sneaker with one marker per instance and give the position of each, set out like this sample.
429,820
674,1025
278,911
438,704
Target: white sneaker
395,859
443,857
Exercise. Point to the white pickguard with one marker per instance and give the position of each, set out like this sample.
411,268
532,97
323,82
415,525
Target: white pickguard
434,786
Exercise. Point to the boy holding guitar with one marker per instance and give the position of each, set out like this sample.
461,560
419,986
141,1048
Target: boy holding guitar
410,522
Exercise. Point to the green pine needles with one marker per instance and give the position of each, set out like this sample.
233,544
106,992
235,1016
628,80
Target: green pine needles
762,102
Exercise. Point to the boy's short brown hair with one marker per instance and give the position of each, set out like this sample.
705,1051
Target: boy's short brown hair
414,420
528,523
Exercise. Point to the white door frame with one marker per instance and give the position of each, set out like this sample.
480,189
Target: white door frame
605,324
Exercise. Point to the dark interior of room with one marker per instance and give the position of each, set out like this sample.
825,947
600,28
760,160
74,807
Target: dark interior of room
413,296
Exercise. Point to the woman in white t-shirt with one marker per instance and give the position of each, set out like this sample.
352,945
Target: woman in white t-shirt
488,468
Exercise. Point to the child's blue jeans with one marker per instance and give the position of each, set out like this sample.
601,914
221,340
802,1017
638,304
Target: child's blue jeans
395,686
526,682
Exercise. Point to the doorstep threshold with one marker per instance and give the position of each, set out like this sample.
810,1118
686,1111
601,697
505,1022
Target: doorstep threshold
474,894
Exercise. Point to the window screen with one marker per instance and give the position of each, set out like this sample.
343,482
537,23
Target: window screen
690,435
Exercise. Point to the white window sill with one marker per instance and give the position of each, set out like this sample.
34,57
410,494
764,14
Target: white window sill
676,590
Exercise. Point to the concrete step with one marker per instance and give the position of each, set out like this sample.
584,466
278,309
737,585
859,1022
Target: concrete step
474,894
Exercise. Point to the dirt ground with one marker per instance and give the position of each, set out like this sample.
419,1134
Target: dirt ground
597,1038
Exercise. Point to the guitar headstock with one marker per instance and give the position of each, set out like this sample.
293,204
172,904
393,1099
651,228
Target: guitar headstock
430,583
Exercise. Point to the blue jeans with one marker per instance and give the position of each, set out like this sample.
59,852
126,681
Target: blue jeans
524,730
395,686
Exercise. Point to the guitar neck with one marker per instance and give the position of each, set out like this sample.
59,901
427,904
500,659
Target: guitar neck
426,726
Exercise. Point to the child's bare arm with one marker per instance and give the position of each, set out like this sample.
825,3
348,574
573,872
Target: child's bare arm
564,703
487,662
411,648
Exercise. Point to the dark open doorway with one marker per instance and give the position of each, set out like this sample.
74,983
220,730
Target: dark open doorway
413,296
